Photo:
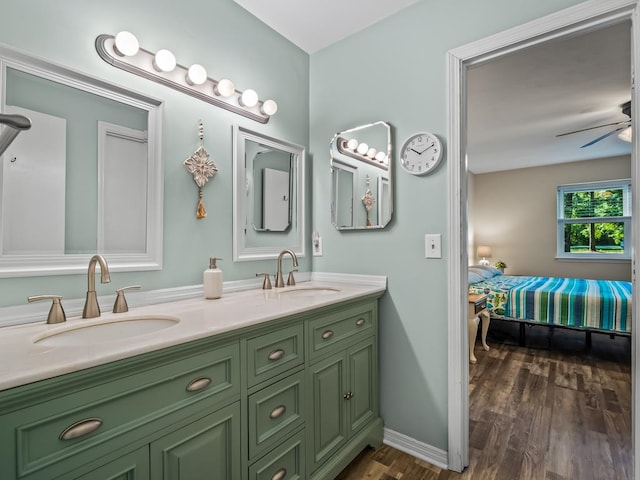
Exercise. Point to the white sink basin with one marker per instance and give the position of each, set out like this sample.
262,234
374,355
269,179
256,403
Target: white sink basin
308,291
111,330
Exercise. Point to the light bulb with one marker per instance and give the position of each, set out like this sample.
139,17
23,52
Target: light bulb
380,156
196,75
126,44
269,107
164,61
352,144
372,152
224,88
363,148
249,98
626,135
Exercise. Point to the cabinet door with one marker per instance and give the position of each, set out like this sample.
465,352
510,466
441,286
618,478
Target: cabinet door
207,449
328,389
133,466
363,385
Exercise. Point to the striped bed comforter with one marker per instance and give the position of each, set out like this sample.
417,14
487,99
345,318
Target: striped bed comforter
571,302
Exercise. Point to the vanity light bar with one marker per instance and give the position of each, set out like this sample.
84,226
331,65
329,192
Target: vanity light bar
163,68
352,148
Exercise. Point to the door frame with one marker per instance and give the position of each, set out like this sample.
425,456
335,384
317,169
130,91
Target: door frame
590,15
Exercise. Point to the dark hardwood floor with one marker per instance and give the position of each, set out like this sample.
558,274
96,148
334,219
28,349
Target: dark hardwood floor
551,410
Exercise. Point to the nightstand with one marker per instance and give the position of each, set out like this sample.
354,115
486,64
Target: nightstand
477,308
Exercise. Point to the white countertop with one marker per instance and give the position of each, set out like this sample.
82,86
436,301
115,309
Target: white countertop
23,361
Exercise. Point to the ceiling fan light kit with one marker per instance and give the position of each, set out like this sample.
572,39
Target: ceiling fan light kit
623,128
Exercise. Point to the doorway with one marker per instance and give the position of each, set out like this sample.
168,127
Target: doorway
580,18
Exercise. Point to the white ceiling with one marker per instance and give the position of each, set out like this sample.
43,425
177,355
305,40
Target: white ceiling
313,25
516,104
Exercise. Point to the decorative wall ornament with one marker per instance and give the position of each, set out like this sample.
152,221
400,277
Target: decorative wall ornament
202,169
368,200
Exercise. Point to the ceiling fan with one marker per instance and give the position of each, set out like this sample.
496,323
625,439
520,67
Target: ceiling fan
620,126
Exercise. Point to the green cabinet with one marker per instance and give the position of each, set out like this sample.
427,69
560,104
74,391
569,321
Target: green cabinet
292,399
203,450
133,466
344,398
64,426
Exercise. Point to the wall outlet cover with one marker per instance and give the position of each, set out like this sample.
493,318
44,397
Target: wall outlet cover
316,244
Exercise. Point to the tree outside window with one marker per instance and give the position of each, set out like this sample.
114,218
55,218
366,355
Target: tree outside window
594,219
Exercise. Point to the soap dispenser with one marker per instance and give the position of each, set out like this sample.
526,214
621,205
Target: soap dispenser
212,280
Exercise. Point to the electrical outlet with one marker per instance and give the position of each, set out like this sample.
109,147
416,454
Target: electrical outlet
316,244
433,246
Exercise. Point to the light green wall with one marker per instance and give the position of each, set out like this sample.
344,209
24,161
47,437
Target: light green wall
229,42
396,71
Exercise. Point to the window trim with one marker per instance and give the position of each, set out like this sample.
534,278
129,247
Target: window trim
625,184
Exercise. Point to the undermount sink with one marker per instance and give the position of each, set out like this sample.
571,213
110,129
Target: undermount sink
105,331
308,291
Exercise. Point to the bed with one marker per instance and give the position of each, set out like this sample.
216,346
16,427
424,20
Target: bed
584,304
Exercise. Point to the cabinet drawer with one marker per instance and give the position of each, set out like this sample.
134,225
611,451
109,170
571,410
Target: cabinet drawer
337,329
102,417
480,306
275,412
284,463
274,353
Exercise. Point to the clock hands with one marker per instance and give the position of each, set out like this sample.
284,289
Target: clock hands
424,150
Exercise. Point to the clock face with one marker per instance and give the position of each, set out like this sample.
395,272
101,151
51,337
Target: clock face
421,153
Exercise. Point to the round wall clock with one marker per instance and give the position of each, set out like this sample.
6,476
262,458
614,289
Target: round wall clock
421,153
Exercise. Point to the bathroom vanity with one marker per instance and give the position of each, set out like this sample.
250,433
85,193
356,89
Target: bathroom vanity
275,385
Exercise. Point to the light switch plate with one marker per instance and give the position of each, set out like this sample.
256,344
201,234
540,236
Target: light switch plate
433,245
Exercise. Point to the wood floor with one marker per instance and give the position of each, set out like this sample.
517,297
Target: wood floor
549,411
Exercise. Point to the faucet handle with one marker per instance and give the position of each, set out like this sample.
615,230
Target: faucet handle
56,313
120,305
266,285
291,281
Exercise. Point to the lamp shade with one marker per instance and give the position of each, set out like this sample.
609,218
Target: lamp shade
484,251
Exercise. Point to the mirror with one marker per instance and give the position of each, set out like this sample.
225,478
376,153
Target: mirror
361,179
268,196
86,178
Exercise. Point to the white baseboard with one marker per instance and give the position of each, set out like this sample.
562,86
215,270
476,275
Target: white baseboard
428,453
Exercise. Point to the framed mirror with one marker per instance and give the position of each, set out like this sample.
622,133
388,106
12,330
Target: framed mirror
361,177
268,196
87,176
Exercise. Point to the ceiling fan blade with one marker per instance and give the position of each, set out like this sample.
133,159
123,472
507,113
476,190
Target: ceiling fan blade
592,128
602,137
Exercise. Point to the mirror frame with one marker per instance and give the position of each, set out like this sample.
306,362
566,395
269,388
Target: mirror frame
151,259
378,187
242,252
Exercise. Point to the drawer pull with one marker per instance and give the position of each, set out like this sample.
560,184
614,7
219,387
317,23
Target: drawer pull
276,354
198,384
360,322
280,474
277,412
327,335
81,428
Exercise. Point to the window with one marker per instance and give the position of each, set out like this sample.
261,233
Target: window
594,220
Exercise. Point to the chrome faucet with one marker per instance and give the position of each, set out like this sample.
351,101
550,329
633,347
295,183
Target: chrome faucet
279,278
91,307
